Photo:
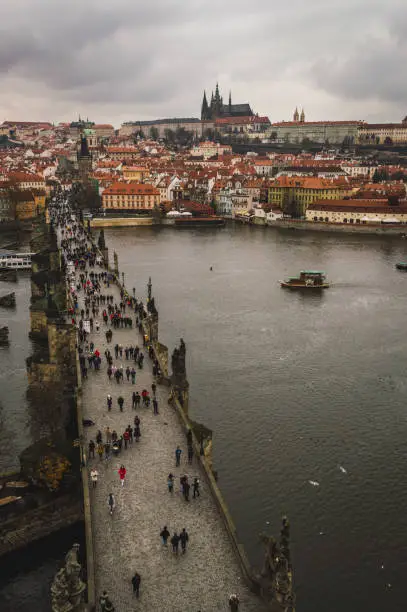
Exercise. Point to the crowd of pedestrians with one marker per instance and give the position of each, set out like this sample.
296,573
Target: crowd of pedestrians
92,297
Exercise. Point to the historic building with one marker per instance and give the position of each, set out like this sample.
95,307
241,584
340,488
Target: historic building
294,195
355,212
383,133
321,132
217,108
84,159
130,197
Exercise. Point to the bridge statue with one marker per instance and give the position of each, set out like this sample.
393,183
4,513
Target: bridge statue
67,588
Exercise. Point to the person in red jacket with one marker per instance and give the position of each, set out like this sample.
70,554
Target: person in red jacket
126,437
122,474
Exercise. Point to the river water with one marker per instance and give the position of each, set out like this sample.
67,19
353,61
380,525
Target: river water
295,386
292,385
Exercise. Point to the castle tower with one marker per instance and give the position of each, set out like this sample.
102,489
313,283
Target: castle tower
84,160
302,118
296,116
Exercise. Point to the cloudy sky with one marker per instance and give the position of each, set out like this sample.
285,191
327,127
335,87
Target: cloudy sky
118,60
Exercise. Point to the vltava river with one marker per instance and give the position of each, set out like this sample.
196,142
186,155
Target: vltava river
295,386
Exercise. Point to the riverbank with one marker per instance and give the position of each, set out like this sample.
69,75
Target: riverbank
342,228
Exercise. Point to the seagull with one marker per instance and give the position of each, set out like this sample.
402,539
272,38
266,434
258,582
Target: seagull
342,469
314,483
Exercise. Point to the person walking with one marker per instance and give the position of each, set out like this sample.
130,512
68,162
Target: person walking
128,372
109,402
178,453
170,483
190,454
107,451
108,435
120,401
186,489
165,534
126,438
184,538
94,477
154,389
136,580
133,376
99,450
175,542
91,449
234,603
111,503
155,406
133,400
195,488
122,474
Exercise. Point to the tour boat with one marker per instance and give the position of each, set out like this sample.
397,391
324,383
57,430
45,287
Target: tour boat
308,279
15,261
402,265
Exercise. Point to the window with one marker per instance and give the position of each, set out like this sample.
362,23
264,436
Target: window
351,220
357,220
345,220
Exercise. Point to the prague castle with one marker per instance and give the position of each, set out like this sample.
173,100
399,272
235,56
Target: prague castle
217,109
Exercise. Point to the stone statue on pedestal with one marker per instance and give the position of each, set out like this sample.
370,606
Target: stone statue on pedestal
178,363
67,588
101,240
60,594
149,287
276,574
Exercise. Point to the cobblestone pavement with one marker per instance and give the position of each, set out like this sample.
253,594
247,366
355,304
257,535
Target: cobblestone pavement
203,578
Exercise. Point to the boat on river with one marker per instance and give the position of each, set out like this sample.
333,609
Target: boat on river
308,279
15,261
402,265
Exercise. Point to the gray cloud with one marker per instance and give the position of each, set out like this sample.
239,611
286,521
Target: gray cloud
118,60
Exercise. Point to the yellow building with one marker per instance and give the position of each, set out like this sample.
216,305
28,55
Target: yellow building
135,173
130,196
294,194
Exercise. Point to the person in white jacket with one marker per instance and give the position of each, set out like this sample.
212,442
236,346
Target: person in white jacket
94,477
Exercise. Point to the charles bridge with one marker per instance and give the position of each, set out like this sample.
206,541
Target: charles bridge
215,564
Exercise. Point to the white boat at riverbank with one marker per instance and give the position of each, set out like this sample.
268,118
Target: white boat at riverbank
15,261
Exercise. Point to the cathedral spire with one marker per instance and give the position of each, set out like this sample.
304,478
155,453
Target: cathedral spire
217,96
296,116
205,108
302,118
230,101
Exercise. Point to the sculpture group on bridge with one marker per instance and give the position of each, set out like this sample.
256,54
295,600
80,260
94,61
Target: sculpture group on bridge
67,588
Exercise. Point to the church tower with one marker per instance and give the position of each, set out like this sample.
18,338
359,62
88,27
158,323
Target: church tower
296,116
302,118
230,103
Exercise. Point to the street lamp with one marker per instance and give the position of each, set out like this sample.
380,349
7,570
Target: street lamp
123,277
